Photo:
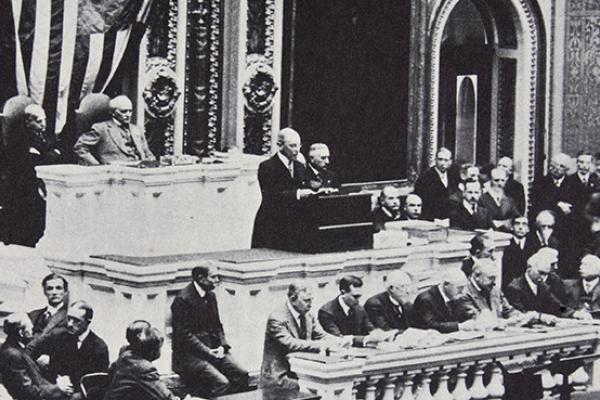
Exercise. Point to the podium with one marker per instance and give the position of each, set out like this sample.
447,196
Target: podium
333,223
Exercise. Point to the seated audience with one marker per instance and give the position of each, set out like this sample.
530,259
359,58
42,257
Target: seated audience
532,292
481,247
436,307
344,316
114,140
388,207
502,207
434,186
74,351
201,354
54,315
21,376
413,206
584,293
514,258
469,216
134,377
513,188
318,175
392,308
291,328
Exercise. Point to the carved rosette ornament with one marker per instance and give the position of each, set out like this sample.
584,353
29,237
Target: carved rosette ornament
160,91
259,85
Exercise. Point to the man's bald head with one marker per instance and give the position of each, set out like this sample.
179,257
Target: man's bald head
400,286
389,198
506,163
290,143
559,165
453,283
413,206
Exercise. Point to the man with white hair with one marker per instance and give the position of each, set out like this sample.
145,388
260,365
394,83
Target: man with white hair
553,191
392,308
281,179
318,174
513,188
388,207
502,207
114,140
584,293
436,307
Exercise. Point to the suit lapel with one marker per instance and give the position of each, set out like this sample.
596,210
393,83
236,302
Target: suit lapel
115,134
595,291
293,324
137,140
444,308
56,319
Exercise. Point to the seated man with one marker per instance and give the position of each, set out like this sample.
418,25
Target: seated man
514,258
74,351
344,316
532,291
318,175
392,309
436,307
412,208
114,140
388,207
291,328
56,290
134,376
481,247
21,375
502,208
469,215
201,354
584,293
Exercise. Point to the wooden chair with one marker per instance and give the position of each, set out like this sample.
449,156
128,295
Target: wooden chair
92,108
12,117
93,386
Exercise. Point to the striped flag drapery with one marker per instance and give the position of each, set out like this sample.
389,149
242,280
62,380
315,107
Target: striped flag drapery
69,48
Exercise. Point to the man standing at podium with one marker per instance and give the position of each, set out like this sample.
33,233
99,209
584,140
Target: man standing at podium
281,179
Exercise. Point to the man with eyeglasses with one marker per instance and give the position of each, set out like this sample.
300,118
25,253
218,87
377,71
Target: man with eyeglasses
115,140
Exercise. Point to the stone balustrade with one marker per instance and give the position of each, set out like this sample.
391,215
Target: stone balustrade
471,369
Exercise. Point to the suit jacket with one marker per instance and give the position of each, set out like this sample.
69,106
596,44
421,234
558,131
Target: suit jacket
431,312
520,296
21,375
385,315
473,302
41,327
193,337
326,178
545,195
581,193
135,378
506,210
281,338
576,298
514,260
460,218
434,194
380,218
66,358
104,144
514,189
274,226
334,321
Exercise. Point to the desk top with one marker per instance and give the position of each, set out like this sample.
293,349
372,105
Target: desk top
270,394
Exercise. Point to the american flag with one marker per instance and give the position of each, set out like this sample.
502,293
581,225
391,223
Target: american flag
67,49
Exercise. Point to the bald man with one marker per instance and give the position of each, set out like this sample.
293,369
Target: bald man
553,191
413,208
392,308
114,140
388,207
281,180
584,293
318,174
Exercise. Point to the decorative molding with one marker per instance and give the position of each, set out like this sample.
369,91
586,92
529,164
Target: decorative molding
259,85
214,87
160,91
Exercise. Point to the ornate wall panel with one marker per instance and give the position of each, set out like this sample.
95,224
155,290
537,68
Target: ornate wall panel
507,69
581,112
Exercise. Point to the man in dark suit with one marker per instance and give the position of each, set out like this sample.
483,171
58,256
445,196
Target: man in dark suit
481,247
392,309
291,328
514,258
532,292
56,290
553,191
583,183
201,354
318,175
513,188
470,216
435,185
344,316
584,293
388,207
74,351
436,307
502,207
413,208
281,180
114,140
21,375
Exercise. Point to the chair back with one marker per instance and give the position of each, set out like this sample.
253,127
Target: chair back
12,117
93,386
92,108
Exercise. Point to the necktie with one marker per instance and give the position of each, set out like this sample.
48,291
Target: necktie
45,318
474,209
291,168
584,181
302,326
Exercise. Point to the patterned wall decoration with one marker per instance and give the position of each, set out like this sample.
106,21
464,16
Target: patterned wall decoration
581,112
260,36
507,69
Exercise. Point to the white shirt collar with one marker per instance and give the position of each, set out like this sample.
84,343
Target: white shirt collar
519,241
583,177
469,207
345,307
475,284
54,310
201,292
315,171
532,285
446,299
559,181
394,302
591,284
295,313
286,161
82,337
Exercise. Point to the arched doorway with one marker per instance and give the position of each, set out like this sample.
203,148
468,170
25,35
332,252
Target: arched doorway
487,69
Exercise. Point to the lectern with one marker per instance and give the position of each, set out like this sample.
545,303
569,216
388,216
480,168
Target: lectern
333,223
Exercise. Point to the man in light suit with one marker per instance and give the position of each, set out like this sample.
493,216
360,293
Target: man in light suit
290,328
54,315
114,140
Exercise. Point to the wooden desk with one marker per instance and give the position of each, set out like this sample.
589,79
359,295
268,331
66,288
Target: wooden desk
270,394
